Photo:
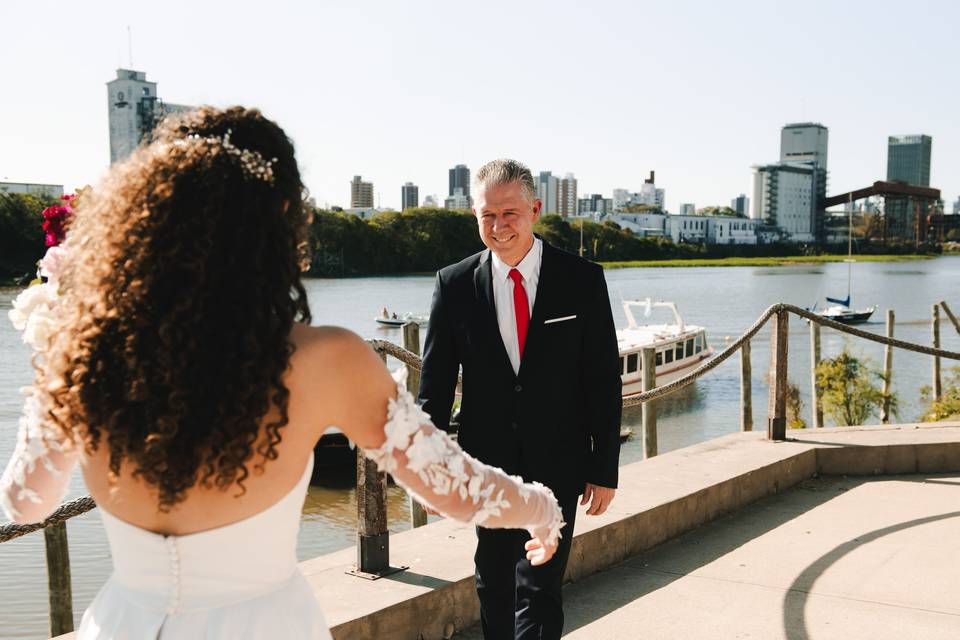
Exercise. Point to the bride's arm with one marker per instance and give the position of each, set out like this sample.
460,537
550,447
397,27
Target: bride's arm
38,473
385,421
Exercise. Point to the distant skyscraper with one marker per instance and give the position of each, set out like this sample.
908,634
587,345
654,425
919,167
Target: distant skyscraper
567,198
409,196
133,110
459,179
804,142
430,202
594,204
956,207
548,187
361,194
687,209
741,204
908,159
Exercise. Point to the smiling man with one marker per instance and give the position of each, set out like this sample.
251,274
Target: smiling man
532,329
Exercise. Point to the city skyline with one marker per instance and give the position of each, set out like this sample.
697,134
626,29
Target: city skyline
698,131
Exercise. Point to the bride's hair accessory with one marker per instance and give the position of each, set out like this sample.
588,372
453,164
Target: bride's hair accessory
252,163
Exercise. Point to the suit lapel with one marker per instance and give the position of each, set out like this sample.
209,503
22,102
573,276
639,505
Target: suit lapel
547,291
483,284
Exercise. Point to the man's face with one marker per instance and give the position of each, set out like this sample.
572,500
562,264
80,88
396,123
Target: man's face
506,219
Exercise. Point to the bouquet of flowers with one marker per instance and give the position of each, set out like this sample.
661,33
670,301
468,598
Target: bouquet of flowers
34,310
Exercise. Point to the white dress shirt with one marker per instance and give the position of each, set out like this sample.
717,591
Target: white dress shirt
529,268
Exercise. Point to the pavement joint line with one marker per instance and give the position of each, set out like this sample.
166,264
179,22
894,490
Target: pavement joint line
804,591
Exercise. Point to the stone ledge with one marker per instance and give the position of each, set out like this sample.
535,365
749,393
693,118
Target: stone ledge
658,499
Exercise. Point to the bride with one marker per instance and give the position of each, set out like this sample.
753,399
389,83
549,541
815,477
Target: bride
185,379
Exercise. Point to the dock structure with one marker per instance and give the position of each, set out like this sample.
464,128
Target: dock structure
807,533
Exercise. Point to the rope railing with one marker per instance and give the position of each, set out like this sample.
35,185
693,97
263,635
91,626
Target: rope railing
373,488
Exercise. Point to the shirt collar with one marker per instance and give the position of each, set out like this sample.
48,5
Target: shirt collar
529,267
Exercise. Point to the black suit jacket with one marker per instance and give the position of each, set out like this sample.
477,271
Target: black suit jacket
558,420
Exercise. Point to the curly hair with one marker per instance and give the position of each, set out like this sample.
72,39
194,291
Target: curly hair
180,290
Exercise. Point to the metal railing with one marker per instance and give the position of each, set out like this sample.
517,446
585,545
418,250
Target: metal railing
373,554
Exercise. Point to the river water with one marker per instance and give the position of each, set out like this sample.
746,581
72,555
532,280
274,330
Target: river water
726,300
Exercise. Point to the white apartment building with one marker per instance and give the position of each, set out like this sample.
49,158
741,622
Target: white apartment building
688,228
133,110
646,225
687,209
548,191
784,195
459,200
51,190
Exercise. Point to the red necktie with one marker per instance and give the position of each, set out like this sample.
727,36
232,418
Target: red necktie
521,308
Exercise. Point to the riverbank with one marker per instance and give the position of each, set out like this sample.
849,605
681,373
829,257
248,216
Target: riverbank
761,261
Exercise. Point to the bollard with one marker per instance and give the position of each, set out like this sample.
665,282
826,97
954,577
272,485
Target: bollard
746,388
411,342
937,387
58,579
649,367
887,371
777,407
816,407
373,539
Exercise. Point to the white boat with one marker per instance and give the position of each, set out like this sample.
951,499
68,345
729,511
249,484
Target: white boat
680,347
399,321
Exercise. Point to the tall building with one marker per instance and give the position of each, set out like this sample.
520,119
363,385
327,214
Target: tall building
594,205
908,159
430,202
956,207
361,194
741,204
784,195
804,142
409,196
133,110
688,209
648,195
567,198
460,179
548,190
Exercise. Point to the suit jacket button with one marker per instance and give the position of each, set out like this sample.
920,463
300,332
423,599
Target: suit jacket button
518,388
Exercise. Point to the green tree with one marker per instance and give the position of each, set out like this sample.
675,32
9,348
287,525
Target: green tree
948,406
642,208
850,389
21,233
557,231
794,407
719,211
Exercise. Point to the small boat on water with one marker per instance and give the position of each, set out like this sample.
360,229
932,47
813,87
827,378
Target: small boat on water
680,347
840,311
393,320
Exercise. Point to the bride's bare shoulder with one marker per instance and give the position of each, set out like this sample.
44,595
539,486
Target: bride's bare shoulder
334,350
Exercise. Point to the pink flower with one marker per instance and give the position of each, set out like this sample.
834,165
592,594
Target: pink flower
54,223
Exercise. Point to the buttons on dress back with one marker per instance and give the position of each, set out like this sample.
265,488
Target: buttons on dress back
173,554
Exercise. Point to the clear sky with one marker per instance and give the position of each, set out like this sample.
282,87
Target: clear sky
402,91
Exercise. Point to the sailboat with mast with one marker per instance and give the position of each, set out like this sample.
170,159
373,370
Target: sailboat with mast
840,310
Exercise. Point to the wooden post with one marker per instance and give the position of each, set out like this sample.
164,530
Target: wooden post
777,406
373,542
953,318
937,389
58,579
816,407
411,342
887,371
649,366
746,388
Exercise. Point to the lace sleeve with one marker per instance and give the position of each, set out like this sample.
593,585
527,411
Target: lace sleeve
38,473
432,467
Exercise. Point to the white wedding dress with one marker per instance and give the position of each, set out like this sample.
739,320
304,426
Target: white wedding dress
242,581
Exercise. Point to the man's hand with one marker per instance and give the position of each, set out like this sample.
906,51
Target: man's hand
598,497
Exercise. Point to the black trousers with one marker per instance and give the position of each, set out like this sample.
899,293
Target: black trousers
517,600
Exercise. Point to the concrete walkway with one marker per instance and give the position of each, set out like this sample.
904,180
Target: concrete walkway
835,557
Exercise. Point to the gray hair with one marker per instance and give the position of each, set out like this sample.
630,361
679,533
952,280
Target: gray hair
505,171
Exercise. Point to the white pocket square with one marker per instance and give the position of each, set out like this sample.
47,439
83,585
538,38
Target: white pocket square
564,318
